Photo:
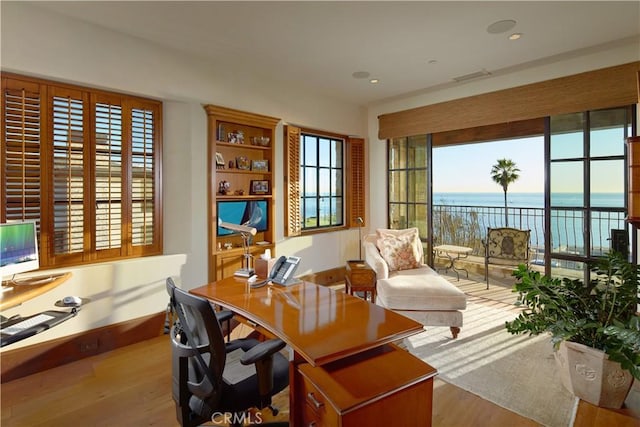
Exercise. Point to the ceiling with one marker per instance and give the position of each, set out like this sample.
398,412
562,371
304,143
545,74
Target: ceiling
410,47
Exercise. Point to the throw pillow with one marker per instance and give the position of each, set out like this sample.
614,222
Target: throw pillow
412,232
399,250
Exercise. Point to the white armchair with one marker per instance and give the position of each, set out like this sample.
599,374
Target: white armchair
406,285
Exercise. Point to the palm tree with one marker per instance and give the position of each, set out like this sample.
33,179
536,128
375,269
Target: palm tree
504,173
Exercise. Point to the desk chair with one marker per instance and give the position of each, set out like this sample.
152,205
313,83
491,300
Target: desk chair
208,376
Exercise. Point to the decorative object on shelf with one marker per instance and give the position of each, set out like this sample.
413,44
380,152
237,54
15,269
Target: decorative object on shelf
259,187
242,163
228,245
232,138
239,192
260,165
262,141
219,161
240,137
232,164
224,187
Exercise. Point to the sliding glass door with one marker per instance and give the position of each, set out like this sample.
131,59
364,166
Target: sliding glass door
585,203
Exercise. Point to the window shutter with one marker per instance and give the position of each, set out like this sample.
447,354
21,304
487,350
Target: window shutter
21,151
69,148
356,182
293,221
143,173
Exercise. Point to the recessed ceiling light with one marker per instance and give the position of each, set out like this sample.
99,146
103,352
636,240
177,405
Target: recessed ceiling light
374,81
360,75
432,61
501,26
515,36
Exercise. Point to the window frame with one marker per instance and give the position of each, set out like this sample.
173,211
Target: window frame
87,134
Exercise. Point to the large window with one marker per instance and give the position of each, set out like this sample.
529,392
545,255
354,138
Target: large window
86,165
321,172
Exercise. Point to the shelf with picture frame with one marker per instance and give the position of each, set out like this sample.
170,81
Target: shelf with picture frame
241,161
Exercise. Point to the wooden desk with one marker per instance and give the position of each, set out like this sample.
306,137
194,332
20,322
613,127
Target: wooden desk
341,345
30,288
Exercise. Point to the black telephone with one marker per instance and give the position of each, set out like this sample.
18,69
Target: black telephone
283,269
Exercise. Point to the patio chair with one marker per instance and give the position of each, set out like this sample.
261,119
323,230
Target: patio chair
505,247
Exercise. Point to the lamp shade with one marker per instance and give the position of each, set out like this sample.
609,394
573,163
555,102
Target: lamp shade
633,153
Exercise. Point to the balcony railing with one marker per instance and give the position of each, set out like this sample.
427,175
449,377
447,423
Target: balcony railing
467,226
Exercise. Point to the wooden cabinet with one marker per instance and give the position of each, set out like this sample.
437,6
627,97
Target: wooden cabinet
385,386
240,185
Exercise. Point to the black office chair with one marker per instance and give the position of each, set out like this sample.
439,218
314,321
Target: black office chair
205,383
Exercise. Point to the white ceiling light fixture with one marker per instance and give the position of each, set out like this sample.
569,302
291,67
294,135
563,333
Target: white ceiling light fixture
374,81
515,36
501,26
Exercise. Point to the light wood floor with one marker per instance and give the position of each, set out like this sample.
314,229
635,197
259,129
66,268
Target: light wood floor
131,386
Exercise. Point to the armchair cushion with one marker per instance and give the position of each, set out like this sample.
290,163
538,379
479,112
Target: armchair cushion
401,249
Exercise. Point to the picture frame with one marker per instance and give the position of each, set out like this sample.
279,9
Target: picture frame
259,187
260,165
219,161
242,163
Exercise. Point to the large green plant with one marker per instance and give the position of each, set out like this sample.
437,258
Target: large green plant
600,314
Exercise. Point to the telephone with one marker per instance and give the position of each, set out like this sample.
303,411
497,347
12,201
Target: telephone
283,269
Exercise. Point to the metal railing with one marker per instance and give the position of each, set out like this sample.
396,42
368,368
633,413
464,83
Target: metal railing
467,226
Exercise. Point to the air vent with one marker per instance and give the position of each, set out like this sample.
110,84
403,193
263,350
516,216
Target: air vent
476,75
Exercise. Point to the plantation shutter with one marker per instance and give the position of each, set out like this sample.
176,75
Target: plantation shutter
143,172
293,216
356,182
21,145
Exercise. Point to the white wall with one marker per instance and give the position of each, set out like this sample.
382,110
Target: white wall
64,49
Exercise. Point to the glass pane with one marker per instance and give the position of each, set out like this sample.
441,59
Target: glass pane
602,222
325,211
607,183
571,269
337,211
325,182
417,186
417,151
567,188
567,227
397,215
418,218
310,186
567,139
310,212
336,182
607,132
324,151
310,148
336,159
398,153
397,186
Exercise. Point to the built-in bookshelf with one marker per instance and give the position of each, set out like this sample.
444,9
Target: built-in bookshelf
241,188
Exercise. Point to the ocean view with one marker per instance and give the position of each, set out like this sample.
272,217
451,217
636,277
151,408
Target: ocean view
527,200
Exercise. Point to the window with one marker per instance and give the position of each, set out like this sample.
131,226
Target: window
86,165
321,181
316,178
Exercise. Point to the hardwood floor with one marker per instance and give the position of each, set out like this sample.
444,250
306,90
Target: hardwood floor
131,386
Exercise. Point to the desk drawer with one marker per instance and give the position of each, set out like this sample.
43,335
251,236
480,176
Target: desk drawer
317,409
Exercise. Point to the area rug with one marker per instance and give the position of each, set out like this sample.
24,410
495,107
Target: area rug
513,371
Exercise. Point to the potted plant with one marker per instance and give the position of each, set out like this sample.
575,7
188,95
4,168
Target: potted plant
594,326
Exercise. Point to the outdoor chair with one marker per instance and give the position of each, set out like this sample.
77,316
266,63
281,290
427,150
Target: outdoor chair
505,247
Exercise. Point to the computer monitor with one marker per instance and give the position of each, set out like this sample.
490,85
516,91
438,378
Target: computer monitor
18,248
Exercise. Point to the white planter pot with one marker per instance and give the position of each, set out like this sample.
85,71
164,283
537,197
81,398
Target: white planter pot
590,375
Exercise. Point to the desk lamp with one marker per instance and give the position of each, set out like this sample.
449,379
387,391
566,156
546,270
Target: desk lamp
246,233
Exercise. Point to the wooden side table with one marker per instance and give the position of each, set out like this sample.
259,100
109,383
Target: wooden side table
360,278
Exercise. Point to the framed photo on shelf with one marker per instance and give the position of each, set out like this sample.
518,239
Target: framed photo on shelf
219,161
242,163
259,187
260,165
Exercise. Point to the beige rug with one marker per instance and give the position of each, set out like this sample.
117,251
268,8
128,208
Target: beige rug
515,372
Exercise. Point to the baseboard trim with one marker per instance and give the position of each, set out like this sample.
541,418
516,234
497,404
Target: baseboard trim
35,358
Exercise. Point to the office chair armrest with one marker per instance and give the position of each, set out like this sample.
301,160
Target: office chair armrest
261,351
224,315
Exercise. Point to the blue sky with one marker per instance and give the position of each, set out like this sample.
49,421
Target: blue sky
467,168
